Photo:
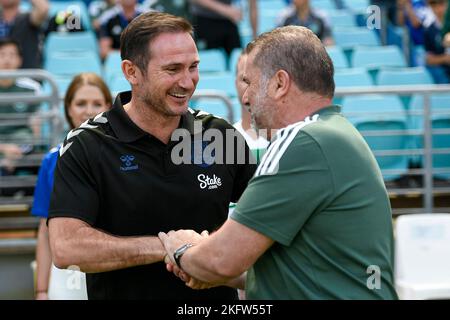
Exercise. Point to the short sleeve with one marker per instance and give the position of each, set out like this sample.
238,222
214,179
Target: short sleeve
75,193
278,205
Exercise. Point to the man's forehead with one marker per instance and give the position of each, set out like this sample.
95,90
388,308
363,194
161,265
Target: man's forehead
174,48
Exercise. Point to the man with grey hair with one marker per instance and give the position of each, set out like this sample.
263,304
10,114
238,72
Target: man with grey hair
315,220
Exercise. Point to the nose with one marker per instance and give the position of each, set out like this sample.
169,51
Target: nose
189,80
91,110
245,99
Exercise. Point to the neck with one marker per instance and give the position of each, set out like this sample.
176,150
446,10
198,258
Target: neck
9,13
129,11
303,12
299,106
151,121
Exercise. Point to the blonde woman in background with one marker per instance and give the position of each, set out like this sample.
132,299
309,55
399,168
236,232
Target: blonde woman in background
86,96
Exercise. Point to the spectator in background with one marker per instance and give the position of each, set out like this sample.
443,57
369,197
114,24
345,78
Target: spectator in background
24,28
256,143
302,14
179,8
114,21
65,21
87,95
16,139
414,14
437,55
216,24
97,8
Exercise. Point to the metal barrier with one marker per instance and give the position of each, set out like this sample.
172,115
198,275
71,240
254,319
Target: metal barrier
53,116
427,151
216,94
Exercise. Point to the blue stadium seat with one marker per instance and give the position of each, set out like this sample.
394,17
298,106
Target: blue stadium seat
440,117
352,77
214,106
62,83
351,37
357,5
380,113
118,84
324,4
267,22
403,76
271,5
72,65
112,65
342,18
234,59
338,56
70,43
222,81
375,58
212,60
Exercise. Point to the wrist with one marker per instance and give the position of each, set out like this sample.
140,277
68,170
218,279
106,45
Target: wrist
180,252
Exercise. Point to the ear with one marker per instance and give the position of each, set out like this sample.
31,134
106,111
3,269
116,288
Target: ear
131,72
282,83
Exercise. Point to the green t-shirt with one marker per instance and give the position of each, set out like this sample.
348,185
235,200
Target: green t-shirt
326,207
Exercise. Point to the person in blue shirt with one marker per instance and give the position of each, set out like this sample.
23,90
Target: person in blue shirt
414,14
87,95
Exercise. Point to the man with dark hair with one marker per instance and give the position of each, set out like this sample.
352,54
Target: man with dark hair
117,183
315,220
24,28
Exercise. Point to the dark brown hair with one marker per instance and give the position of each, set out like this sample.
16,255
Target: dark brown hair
299,52
136,38
85,78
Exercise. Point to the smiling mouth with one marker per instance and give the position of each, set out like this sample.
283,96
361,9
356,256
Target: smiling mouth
178,95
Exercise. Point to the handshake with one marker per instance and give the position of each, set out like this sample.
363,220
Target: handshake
176,243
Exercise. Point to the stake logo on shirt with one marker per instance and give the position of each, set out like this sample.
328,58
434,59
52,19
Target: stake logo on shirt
210,183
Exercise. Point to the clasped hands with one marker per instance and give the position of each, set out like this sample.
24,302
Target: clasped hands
174,240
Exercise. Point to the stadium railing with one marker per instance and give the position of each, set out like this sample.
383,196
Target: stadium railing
429,189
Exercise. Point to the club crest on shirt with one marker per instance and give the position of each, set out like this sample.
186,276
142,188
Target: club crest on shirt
198,155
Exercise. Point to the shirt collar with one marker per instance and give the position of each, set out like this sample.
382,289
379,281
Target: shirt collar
127,131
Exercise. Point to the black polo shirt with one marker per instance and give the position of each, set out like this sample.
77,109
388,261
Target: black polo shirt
120,179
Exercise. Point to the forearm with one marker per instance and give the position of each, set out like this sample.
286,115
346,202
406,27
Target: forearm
92,250
202,267
434,59
238,282
415,22
39,12
43,258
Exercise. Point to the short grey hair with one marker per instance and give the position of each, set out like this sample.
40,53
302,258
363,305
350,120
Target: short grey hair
299,52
